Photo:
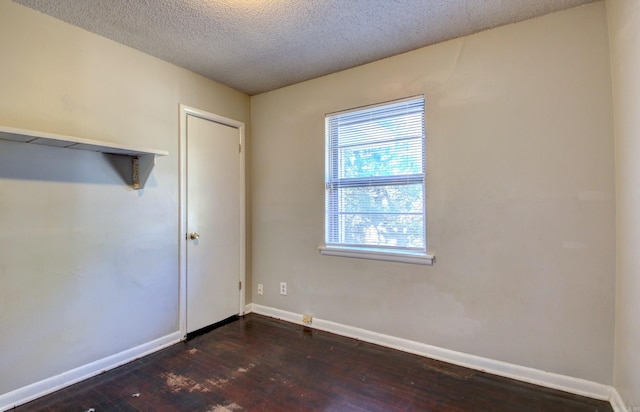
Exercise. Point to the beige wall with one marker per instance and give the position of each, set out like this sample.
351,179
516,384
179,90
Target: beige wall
88,267
624,34
520,198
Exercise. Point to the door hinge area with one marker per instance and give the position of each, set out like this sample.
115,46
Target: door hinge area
240,285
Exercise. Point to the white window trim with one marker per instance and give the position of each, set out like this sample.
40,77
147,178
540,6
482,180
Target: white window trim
413,258
419,257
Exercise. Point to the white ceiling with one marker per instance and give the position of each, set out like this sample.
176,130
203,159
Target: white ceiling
260,45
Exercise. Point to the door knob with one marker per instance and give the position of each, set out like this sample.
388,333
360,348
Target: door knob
193,236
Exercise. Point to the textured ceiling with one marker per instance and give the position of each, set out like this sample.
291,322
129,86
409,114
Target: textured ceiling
260,45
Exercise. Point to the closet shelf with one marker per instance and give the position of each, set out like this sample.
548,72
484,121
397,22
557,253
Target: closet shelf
142,162
72,142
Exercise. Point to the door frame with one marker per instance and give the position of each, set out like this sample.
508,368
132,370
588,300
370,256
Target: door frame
186,111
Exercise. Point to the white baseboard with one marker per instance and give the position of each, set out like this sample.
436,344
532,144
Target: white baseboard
30,392
522,373
248,308
616,402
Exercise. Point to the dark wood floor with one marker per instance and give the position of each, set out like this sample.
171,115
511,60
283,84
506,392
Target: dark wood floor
261,364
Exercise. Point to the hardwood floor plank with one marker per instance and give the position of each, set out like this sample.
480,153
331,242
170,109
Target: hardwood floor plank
262,364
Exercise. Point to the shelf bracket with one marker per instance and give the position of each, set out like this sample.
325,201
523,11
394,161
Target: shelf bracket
135,172
141,167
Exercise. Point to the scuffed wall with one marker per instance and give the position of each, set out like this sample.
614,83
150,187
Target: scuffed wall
88,266
520,198
624,33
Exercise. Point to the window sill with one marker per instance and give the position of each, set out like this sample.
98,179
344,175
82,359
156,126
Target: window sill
416,259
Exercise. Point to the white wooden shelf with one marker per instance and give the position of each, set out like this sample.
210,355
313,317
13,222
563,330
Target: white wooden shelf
142,158
71,142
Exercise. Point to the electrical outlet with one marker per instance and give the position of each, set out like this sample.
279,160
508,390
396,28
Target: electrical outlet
307,319
283,288
260,289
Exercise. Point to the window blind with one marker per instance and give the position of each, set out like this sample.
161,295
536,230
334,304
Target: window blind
375,177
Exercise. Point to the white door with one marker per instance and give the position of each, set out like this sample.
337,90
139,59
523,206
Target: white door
214,222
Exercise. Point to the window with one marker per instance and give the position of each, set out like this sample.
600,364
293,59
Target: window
375,182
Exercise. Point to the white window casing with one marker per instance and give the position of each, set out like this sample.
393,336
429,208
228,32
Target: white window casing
375,183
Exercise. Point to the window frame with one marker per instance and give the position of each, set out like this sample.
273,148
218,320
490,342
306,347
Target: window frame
373,252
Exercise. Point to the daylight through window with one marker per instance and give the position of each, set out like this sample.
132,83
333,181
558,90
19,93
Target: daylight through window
375,179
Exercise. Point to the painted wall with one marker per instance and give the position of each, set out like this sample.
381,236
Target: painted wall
624,34
520,198
88,266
